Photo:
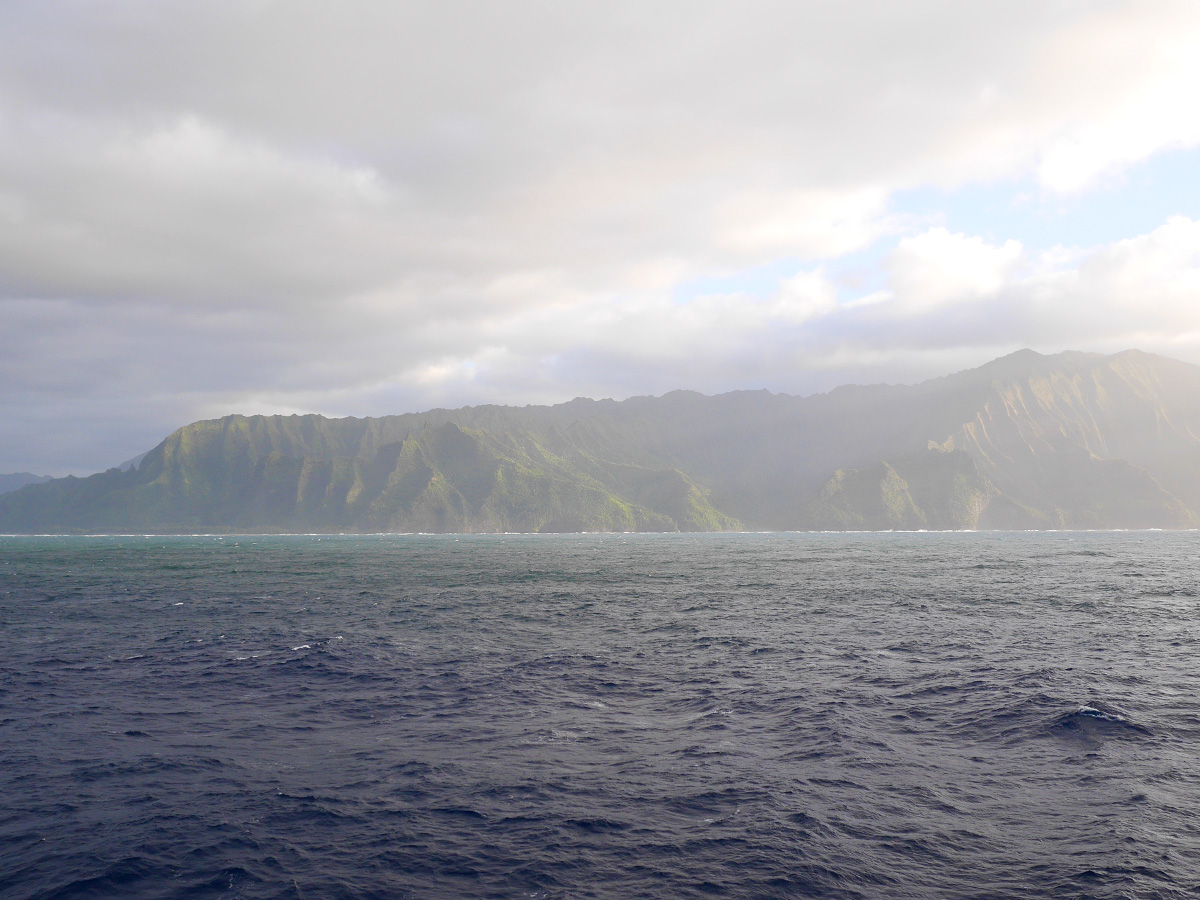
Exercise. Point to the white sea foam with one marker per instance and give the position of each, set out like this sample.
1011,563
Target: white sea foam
1100,714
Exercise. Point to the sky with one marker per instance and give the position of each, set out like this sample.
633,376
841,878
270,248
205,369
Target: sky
371,208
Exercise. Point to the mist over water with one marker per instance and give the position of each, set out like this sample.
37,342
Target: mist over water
608,716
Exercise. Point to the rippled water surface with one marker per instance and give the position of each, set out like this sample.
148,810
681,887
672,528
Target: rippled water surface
619,716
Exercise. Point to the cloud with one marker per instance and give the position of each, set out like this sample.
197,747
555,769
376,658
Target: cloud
952,291
182,212
380,207
937,268
1130,111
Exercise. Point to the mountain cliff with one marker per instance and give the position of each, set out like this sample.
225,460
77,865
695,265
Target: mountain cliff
1027,441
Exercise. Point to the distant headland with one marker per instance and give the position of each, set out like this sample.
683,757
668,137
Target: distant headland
1027,441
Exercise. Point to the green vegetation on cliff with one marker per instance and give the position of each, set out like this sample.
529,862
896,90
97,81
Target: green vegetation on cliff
935,490
1027,441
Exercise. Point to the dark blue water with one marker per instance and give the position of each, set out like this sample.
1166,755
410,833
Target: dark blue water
875,716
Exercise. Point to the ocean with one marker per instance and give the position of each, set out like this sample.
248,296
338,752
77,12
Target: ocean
601,716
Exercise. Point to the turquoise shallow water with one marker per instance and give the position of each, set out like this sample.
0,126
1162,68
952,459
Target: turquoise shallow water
895,715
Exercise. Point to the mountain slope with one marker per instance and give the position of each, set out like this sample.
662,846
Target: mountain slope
1027,441
15,480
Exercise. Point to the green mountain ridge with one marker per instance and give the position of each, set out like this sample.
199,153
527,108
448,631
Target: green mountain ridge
1027,441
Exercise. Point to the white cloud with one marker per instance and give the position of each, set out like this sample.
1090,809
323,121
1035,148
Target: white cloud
937,267
813,223
1141,105
1141,291
1154,276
